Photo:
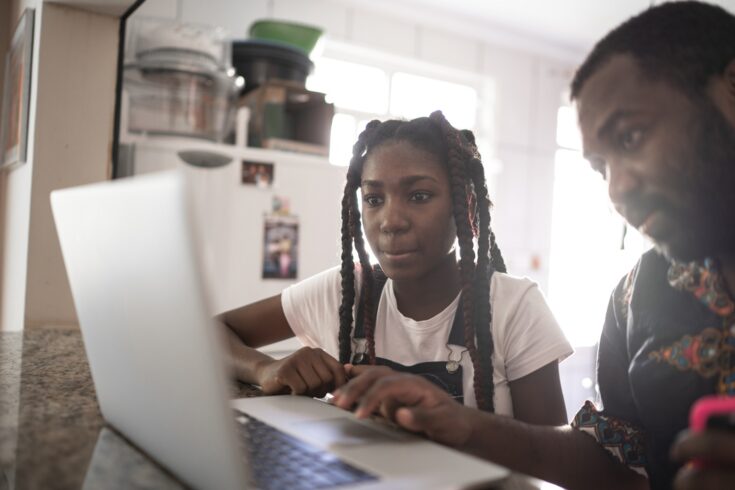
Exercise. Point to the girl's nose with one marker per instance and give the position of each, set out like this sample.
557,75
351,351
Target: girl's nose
393,219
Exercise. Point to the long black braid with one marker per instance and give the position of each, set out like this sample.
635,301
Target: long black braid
471,209
350,223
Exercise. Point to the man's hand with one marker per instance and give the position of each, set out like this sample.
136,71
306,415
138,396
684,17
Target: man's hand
716,449
307,371
411,401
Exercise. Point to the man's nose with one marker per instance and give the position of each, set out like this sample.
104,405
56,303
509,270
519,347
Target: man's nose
622,181
394,218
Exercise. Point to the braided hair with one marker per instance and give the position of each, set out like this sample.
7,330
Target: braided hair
471,210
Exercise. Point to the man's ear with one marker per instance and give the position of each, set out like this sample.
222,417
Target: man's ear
722,92
729,77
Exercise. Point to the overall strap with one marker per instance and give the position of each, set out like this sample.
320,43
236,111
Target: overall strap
456,335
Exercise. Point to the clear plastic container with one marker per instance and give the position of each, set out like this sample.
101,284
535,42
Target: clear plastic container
168,101
178,80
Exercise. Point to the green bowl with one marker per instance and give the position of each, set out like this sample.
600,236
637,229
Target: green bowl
300,36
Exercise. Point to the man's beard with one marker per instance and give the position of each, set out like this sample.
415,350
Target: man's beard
708,225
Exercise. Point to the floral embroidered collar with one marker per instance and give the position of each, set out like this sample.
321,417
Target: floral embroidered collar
703,280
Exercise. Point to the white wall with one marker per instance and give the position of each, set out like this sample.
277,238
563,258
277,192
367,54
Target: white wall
74,131
70,135
528,90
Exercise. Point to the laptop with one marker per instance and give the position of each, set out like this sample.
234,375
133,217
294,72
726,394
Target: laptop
157,361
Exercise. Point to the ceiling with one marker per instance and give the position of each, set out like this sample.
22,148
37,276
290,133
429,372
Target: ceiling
569,24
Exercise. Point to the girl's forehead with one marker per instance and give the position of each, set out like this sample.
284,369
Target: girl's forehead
400,158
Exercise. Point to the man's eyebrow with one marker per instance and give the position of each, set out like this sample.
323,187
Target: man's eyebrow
403,182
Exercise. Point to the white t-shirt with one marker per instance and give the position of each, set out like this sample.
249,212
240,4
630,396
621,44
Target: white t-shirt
526,335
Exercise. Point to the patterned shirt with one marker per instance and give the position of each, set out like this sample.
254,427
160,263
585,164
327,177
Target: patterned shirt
668,339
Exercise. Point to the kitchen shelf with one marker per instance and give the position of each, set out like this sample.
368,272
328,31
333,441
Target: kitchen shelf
176,143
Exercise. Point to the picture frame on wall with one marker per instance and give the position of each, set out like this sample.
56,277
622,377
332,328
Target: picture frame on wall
280,247
16,94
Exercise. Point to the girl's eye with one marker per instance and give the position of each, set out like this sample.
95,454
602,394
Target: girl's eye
631,139
420,196
372,201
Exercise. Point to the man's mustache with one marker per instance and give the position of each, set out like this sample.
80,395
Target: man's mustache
636,208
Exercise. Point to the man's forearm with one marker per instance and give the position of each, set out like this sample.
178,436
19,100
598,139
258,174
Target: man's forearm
560,455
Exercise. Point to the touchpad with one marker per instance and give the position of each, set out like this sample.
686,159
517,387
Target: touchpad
343,431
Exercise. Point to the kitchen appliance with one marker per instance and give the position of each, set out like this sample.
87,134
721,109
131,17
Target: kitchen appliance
178,81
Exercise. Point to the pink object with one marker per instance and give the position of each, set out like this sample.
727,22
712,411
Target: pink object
706,408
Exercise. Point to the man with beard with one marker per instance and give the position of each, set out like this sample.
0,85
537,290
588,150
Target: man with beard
656,104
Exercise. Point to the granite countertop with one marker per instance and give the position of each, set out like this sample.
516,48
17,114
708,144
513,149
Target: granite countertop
52,434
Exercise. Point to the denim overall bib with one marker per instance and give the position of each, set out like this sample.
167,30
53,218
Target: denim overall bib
446,374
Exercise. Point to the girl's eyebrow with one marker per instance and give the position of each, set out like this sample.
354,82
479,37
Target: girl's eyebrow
403,182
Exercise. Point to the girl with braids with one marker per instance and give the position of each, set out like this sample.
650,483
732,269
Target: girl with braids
486,338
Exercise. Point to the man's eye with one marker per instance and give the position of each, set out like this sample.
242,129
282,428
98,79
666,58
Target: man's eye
630,140
372,200
420,196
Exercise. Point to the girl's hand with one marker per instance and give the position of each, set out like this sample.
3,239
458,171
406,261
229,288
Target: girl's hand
716,449
354,371
410,401
307,371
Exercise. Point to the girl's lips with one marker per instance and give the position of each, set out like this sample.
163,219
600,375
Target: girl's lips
398,255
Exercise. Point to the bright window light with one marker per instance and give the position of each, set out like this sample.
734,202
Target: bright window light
351,86
341,139
567,130
363,92
589,250
414,96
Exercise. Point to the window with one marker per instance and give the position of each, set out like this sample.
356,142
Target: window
351,86
382,90
415,96
591,247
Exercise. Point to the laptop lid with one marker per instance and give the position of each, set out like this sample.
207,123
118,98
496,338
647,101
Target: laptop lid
131,261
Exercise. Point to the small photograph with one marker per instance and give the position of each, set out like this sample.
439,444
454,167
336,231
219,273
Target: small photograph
281,247
259,174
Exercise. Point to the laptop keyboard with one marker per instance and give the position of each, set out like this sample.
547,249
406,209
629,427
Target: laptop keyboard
279,461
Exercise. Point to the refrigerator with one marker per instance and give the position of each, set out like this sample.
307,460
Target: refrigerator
264,219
